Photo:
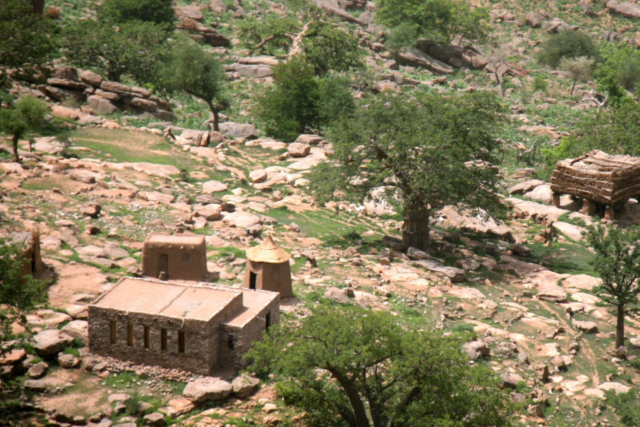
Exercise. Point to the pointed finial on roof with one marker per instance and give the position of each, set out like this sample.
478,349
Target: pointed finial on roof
268,251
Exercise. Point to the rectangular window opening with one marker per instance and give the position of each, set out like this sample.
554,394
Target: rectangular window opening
252,280
146,337
112,331
181,341
129,334
230,342
185,257
268,321
163,339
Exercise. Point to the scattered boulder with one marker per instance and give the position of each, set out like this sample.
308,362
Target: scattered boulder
526,186
68,361
207,388
510,380
476,349
258,175
214,187
154,419
239,130
616,387
337,295
297,149
50,342
38,370
534,20
586,327
77,329
452,273
630,10
244,385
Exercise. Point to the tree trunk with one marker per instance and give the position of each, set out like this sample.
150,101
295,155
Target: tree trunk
216,121
620,327
573,87
415,230
359,410
15,140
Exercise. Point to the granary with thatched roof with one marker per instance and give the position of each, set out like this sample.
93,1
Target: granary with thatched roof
604,182
268,268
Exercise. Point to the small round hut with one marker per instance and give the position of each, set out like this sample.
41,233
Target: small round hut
268,268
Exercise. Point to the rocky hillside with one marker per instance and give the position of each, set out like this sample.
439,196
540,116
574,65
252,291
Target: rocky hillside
118,161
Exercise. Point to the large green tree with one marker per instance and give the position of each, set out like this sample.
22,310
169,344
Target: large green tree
425,149
305,30
298,101
193,71
353,367
435,20
27,114
135,48
617,261
26,38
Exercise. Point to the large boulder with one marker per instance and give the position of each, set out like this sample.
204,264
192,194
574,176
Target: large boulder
630,10
50,342
534,19
207,388
77,329
91,78
586,327
101,105
452,273
476,349
239,130
244,385
297,149
417,58
213,187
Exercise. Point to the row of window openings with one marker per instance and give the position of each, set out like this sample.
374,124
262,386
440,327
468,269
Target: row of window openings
147,337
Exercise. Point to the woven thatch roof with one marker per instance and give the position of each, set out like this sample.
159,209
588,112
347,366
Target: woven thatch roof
268,251
598,176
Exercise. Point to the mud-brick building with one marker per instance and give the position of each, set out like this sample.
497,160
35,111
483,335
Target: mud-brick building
196,327
179,257
268,268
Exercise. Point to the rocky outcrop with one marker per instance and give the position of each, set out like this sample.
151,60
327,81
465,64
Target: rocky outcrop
104,96
630,10
204,34
455,56
417,58
50,342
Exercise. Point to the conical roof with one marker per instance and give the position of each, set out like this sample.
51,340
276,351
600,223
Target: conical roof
268,251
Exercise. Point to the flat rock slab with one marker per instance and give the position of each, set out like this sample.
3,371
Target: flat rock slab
239,130
547,283
452,273
314,158
616,387
630,10
526,186
586,327
214,187
465,220
581,281
571,231
241,219
541,193
538,212
153,169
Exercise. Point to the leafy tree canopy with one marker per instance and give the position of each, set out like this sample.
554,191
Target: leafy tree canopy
135,48
155,11
617,261
298,101
619,71
435,20
27,114
308,31
26,38
426,150
614,131
349,366
193,71
566,44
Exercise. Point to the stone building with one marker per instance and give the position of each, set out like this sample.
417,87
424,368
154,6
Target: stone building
179,257
196,327
268,268
29,244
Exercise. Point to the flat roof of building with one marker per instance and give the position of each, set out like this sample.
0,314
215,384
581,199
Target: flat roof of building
184,300
177,239
254,302
167,299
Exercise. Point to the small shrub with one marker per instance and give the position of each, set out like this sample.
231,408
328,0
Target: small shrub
53,13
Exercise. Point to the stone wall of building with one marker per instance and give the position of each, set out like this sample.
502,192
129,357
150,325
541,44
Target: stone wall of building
244,336
201,340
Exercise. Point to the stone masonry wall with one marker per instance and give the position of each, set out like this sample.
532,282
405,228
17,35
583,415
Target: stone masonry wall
201,339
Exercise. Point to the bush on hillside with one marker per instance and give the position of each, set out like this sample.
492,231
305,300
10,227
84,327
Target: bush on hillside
120,11
566,44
